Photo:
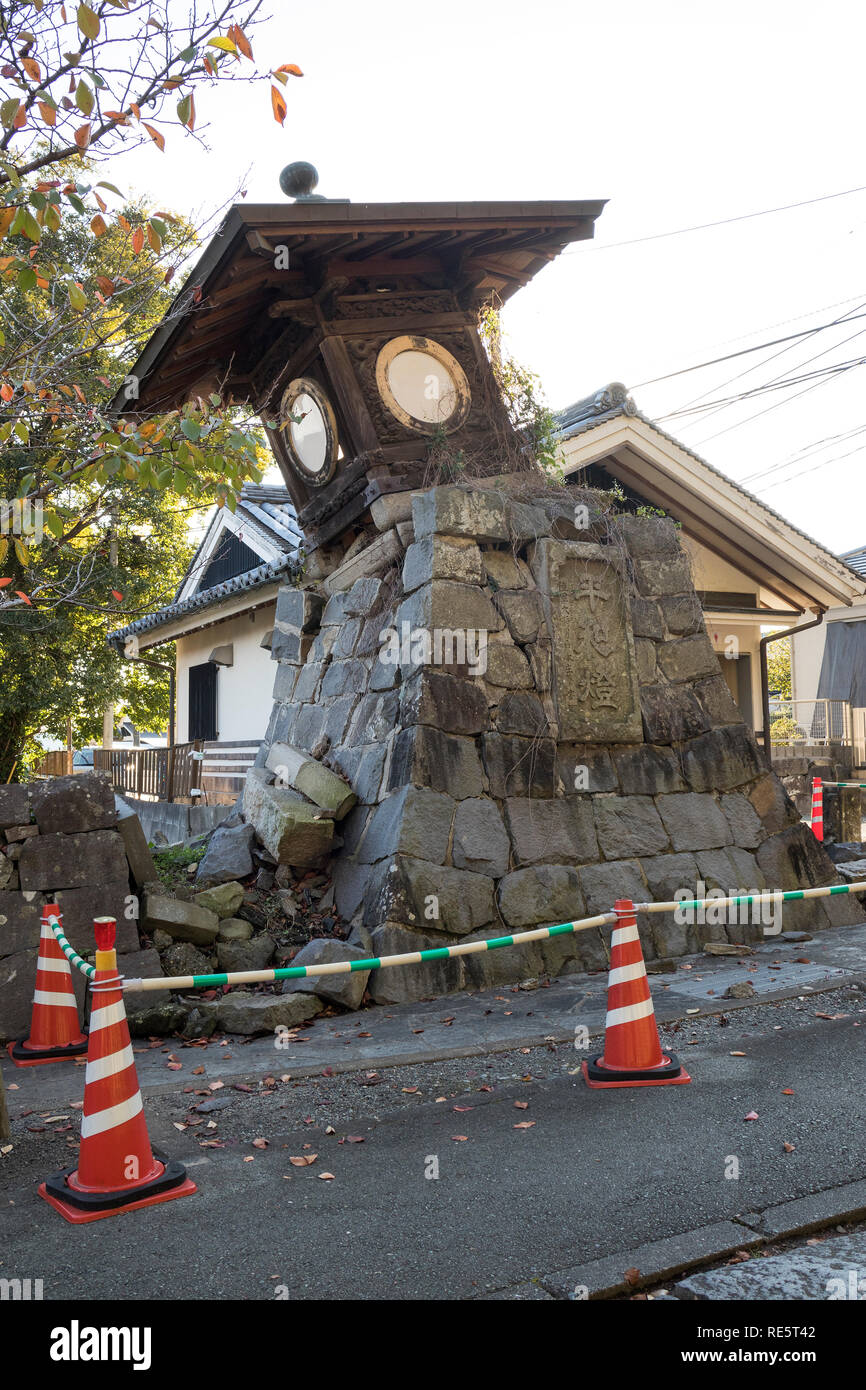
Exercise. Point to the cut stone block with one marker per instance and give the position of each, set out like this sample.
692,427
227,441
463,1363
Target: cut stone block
224,899
373,560
480,840
19,922
312,779
694,821
228,855
181,920
630,825
555,831
429,758
414,821
480,515
65,804
294,830
544,893
428,897
435,557
449,703
14,804
519,766
426,981
49,862
255,1014
254,954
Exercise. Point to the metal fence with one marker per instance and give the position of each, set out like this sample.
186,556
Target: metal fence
810,721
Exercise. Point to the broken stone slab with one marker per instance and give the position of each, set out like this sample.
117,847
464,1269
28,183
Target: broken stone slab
14,804
234,929
228,855
53,861
296,831
374,559
255,1014
65,804
741,989
311,778
391,509
224,898
254,954
346,989
182,921
138,855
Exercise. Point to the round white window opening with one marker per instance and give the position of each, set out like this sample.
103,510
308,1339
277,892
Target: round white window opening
310,431
422,384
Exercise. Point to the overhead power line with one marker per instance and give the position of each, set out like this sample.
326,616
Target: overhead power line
722,222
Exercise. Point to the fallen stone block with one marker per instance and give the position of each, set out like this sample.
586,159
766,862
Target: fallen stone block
182,921
228,855
346,990
254,1014
138,855
255,954
294,830
224,899
312,779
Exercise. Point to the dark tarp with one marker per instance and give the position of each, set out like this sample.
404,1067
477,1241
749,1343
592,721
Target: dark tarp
843,670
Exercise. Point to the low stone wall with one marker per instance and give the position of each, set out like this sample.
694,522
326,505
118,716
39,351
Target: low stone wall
62,841
171,822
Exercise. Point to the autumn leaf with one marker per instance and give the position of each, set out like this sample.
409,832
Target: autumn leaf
242,42
23,597
174,1066
156,137
460,1138
524,1124
326,1177
105,286
4,582
98,225
521,1105
632,1276
88,22
115,593
302,1160
82,136
752,1115
279,106
787,1092
291,69
48,113
789,1148
6,391
32,68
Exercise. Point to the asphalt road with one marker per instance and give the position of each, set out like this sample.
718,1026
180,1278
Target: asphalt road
598,1172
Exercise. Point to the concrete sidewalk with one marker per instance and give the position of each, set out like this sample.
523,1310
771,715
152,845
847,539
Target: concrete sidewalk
490,1021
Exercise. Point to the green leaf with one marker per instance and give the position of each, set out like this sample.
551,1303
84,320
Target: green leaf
77,297
159,227
88,22
188,54
27,278
26,484
8,110
112,188
52,522
183,109
84,98
22,553
22,431
191,428
76,202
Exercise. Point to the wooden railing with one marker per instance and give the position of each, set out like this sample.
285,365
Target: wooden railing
208,773
152,774
55,764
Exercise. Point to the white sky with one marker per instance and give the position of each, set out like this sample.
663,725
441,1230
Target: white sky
676,116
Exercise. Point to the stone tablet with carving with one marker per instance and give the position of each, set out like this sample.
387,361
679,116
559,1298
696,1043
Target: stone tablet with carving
594,671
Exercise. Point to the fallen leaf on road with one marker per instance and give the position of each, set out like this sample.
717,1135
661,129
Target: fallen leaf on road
521,1105
174,1066
787,1092
326,1177
216,1085
329,1129
260,1143
752,1115
179,1126
737,1054
460,1138
250,1158
439,1099
632,1276
692,1011
302,1160
5,1148
789,1148
239,1086
286,1077
524,1124
363,1035
198,1071
461,1109
485,1088
409,1090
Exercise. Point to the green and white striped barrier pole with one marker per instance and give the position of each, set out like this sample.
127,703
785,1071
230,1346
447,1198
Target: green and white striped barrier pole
345,967
860,785
69,951
463,948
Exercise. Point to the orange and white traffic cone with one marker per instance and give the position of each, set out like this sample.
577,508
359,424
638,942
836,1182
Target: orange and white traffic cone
817,808
632,1050
54,1029
117,1169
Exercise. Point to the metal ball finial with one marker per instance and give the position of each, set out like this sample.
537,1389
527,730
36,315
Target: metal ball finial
299,179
